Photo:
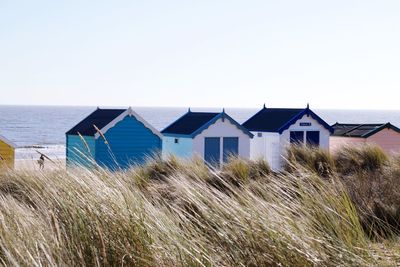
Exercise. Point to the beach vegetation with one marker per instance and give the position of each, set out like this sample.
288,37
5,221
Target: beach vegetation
184,213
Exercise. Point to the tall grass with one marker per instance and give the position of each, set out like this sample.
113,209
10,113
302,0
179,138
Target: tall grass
177,213
371,179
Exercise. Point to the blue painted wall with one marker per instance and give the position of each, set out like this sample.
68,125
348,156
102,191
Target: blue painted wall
182,149
77,152
130,142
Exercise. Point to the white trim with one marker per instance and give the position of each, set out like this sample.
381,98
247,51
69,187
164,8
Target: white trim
7,141
128,112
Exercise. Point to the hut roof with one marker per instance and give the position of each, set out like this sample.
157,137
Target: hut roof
279,119
105,119
360,130
193,123
99,117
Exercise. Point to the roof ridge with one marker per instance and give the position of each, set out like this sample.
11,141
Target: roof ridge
380,126
337,123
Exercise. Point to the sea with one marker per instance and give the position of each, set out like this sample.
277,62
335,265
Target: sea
42,128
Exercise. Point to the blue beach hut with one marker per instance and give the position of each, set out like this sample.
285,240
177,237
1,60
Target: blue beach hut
211,136
113,138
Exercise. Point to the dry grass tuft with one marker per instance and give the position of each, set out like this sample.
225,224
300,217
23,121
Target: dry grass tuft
175,213
314,159
364,158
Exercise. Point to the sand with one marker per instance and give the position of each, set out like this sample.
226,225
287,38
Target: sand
32,165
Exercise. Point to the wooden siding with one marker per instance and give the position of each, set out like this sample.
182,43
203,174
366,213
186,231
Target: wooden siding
130,143
7,155
77,152
311,124
223,128
338,142
387,139
183,149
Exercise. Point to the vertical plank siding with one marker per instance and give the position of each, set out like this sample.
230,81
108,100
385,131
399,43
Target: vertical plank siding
336,143
387,139
77,151
182,149
129,142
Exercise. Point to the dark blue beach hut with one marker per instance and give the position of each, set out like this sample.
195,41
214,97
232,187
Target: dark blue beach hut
113,138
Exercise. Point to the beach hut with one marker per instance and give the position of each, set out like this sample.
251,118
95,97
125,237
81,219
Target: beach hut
385,135
7,153
275,129
211,136
113,138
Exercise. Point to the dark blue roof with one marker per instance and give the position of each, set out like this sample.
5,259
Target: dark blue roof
270,119
100,118
193,123
279,119
189,123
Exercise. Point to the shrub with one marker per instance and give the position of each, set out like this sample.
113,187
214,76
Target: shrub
314,159
364,158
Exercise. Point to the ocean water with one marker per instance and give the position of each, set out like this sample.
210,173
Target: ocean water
43,128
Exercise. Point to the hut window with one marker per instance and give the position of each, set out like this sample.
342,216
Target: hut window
176,141
259,134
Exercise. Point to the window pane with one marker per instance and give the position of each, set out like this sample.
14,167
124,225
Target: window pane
231,147
313,138
296,137
212,150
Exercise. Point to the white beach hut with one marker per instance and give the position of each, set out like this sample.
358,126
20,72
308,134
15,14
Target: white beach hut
275,129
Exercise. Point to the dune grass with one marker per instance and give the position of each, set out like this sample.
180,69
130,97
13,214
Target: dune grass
181,213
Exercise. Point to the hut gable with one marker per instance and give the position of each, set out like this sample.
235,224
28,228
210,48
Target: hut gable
130,141
129,112
224,129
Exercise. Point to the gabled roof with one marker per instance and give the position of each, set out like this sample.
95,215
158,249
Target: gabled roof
99,117
7,141
360,130
189,123
193,123
105,119
279,119
128,112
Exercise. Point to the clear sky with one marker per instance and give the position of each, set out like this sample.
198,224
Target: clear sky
332,54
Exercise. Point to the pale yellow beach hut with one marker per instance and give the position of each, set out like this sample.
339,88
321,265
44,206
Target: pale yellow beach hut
7,153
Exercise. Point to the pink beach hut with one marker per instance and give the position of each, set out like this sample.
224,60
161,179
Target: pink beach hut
385,135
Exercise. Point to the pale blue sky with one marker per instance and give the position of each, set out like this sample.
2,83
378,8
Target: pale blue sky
332,54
